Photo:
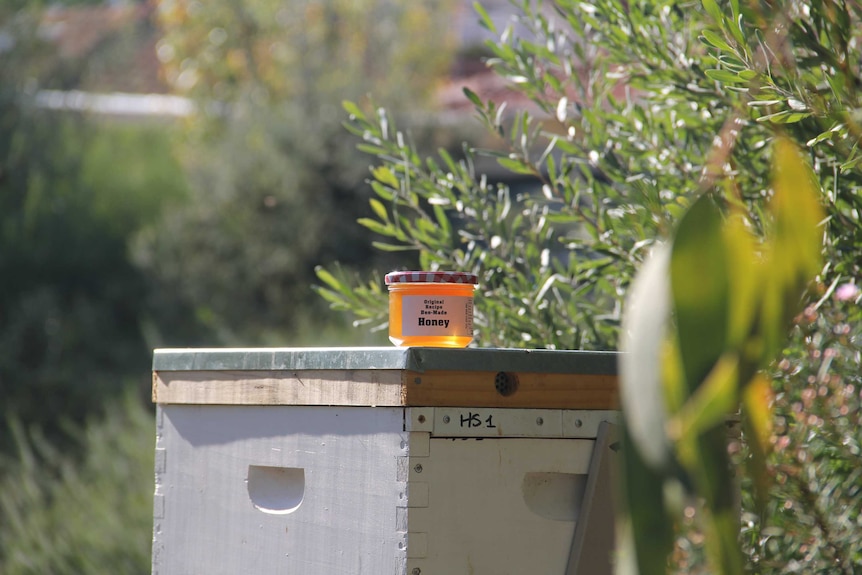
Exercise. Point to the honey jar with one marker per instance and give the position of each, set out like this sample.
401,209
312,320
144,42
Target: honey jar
431,309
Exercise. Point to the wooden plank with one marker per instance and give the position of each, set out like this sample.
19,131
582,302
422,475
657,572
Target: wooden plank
386,388
595,535
322,387
537,390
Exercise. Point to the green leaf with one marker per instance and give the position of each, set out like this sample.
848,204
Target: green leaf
699,288
379,209
473,97
551,165
674,387
336,300
392,247
327,278
836,129
382,191
484,18
721,528
715,40
764,103
707,408
516,165
648,538
377,227
837,84
442,220
647,311
784,117
734,8
797,211
794,250
352,109
713,10
757,426
371,149
708,466
426,229
850,164
724,76
735,25
385,175
745,275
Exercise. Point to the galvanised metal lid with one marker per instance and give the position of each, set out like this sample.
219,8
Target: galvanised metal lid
431,277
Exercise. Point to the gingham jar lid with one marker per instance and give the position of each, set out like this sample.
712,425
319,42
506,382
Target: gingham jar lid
431,277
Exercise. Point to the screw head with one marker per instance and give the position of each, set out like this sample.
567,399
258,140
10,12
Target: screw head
416,571
446,419
421,419
540,421
417,468
579,423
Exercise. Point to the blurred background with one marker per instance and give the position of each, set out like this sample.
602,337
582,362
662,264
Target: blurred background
171,172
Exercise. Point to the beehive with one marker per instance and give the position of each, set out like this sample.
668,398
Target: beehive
374,461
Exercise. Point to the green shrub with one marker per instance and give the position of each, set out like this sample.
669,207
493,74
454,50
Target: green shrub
73,194
69,515
638,111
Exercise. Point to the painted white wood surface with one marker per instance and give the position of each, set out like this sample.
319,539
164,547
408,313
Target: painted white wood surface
496,506
341,520
315,490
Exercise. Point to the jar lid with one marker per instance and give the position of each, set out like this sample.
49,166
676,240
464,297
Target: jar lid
431,277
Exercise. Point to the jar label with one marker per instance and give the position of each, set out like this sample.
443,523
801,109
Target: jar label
437,315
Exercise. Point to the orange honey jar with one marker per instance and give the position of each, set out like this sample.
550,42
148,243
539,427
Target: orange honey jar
431,309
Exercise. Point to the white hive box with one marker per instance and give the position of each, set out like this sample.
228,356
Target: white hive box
383,461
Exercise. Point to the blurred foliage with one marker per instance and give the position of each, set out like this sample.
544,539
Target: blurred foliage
272,184
71,302
90,283
62,515
727,300
276,183
636,109
76,442
811,522
302,52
